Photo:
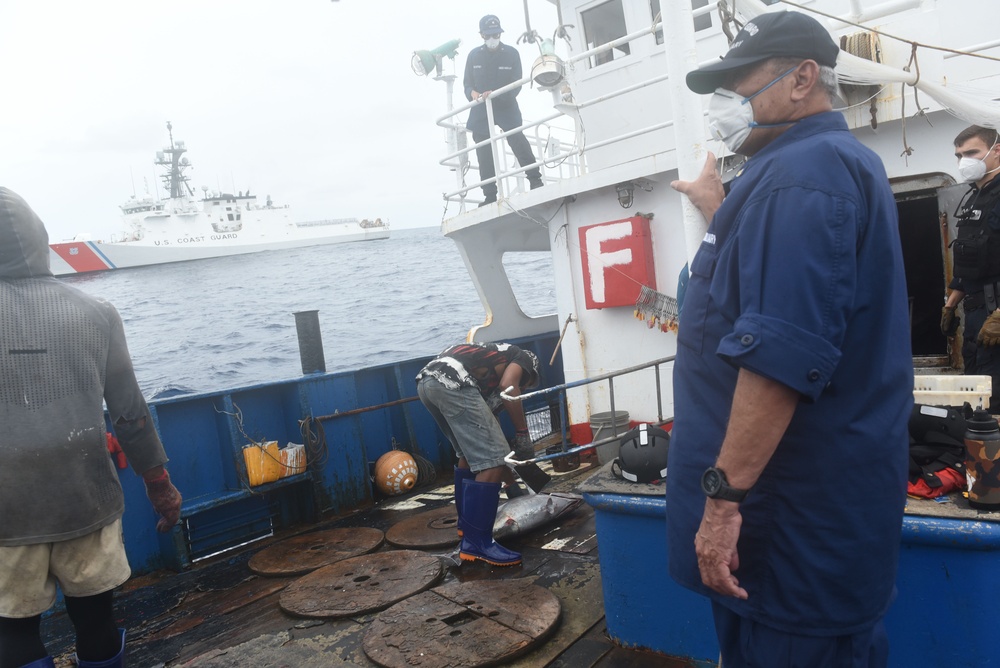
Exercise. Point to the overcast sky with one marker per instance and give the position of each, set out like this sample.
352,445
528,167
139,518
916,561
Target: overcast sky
310,101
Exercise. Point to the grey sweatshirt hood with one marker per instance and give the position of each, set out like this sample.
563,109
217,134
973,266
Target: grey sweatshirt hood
24,243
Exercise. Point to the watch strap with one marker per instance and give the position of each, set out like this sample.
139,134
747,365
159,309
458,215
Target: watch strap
725,491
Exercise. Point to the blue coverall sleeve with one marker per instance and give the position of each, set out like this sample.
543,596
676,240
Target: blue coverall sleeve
797,285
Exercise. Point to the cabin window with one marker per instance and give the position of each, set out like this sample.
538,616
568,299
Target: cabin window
703,22
526,271
602,24
230,216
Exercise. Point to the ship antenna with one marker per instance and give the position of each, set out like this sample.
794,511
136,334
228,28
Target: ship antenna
170,158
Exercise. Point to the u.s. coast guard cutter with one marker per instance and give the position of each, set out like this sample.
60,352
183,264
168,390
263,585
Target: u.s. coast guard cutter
183,227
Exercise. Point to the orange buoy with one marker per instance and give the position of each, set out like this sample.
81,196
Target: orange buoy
395,473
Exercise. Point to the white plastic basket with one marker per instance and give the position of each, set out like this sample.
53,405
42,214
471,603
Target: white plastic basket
953,390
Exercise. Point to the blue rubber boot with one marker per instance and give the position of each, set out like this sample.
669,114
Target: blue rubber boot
117,661
461,475
479,513
47,662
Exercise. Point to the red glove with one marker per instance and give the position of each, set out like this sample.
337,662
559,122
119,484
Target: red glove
116,451
165,498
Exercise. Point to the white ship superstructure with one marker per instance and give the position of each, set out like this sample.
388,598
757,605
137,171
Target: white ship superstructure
623,125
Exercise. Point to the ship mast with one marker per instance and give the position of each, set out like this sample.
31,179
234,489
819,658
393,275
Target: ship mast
174,179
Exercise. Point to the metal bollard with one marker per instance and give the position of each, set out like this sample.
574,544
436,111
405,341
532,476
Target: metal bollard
310,342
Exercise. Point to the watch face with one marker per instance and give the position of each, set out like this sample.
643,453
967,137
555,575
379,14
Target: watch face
711,482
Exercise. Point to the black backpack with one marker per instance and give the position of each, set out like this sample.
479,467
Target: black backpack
937,441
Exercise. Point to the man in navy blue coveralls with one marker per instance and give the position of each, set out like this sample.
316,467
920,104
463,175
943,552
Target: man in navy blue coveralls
489,67
793,380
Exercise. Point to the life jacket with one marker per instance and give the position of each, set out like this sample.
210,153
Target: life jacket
977,246
937,450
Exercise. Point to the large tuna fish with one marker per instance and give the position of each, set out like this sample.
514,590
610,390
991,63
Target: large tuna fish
524,513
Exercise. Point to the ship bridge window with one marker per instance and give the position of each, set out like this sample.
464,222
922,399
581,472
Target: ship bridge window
703,22
527,272
602,24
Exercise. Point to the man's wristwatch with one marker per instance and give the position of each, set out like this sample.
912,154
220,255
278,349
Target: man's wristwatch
715,486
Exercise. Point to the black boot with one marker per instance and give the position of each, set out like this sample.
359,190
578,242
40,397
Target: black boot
117,661
514,490
489,194
479,513
534,178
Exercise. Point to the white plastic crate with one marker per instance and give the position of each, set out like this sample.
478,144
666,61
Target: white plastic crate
953,390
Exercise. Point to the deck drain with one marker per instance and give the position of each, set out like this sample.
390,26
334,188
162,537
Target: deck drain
428,530
463,624
302,554
361,584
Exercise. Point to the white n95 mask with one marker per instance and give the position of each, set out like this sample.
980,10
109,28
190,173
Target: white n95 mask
492,43
971,169
730,116
974,169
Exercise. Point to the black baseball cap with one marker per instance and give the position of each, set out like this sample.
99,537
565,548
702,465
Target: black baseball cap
489,25
772,35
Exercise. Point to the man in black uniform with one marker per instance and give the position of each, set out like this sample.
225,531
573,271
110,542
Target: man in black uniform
489,67
977,257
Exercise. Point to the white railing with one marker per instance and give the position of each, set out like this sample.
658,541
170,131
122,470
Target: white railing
564,157
558,140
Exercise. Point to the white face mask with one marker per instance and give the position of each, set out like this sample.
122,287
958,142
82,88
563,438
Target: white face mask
974,169
492,43
730,116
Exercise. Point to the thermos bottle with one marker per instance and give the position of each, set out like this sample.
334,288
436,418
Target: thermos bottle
982,444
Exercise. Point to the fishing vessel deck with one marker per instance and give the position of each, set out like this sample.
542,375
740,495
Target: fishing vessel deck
613,165
220,613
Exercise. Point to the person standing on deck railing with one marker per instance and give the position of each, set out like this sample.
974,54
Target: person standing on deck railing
62,356
460,388
793,382
489,67
976,249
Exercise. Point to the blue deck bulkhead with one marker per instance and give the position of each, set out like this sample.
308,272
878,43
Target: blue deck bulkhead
943,615
204,435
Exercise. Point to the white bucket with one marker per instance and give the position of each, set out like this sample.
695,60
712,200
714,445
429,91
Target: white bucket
604,425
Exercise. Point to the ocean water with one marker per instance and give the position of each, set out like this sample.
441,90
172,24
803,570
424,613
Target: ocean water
227,322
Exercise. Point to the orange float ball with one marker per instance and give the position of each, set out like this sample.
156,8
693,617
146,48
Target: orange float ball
395,473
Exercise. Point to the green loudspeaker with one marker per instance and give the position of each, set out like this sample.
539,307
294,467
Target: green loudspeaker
424,62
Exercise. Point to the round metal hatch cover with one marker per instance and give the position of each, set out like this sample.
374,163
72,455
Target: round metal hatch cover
303,554
428,530
487,622
361,584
